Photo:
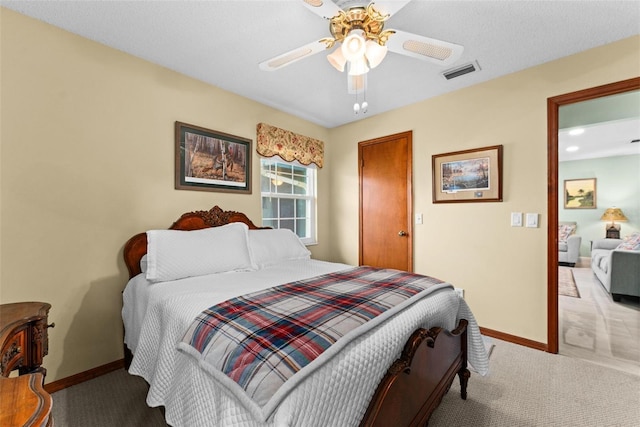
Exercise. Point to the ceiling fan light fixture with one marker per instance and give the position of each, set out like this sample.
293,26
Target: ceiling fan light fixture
356,84
337,59
357,68
375,53
354,46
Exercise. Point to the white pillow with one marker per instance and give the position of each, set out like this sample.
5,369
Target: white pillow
176,254
272,246
143,263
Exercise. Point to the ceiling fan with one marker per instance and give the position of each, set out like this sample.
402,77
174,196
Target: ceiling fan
359,29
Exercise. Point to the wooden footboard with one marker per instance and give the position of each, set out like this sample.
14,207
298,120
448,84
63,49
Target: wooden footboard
416,382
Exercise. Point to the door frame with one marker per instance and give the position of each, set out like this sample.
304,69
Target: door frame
553,106
409,136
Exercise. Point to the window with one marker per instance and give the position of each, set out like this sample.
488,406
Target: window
288,193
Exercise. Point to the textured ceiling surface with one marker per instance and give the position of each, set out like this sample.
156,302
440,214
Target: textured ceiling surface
222,43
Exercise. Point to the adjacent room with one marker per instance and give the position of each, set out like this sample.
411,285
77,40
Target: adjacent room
598,181
168,167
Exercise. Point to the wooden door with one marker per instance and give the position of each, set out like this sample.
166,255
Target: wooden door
386,232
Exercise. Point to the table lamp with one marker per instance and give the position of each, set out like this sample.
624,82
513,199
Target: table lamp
613,214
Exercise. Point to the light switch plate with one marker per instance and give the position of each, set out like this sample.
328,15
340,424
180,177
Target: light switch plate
419,218
532,220
516,219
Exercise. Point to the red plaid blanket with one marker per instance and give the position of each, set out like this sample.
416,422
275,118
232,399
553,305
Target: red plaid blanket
261,339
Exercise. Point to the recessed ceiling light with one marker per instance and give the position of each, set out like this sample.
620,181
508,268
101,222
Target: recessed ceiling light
576,131
573,148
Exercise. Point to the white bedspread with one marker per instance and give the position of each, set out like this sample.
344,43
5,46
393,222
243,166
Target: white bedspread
157,315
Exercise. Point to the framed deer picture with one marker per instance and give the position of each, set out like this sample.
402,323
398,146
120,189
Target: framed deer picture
207,160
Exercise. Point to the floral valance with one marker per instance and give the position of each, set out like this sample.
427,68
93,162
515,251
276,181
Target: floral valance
288,145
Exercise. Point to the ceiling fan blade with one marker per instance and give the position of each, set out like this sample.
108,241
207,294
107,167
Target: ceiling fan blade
294,55
415,46
390,7
325,8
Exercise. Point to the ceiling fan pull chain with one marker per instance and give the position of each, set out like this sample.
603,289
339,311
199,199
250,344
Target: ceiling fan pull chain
365,105
356,106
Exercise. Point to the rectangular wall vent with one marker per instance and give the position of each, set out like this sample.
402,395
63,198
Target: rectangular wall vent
471,67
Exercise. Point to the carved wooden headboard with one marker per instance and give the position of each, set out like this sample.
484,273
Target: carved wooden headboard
136,247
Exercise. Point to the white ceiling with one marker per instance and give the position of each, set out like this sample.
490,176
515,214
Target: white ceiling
222,42
601,140
609,125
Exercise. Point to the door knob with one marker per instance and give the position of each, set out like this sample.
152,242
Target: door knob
402,233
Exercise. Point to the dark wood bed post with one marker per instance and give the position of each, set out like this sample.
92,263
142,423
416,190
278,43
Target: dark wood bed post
414,384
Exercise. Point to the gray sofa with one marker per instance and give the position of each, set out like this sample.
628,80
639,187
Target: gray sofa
618,270
569,249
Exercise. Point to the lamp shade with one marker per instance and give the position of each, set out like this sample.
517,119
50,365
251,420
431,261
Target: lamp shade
353,47
613,214
337,59
375,53
357,68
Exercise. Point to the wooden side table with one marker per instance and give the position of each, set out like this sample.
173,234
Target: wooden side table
23,337
24,403
23,344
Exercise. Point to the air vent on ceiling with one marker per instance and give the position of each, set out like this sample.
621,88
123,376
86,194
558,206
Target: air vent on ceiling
471,67
633,141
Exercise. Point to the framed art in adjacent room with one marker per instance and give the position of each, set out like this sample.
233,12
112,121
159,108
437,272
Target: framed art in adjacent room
208,160
580,193
468,176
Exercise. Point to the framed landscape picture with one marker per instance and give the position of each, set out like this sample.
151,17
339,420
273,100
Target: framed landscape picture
208,160
580,193
468,176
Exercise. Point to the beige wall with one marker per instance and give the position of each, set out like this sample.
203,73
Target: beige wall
87,160
502,269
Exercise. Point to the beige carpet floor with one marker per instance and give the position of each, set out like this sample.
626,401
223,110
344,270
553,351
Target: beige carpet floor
528,388
524,387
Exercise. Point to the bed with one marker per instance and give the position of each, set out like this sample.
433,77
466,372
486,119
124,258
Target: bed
393,370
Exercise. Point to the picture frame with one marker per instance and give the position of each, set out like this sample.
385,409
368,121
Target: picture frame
466,176
580,193
208,160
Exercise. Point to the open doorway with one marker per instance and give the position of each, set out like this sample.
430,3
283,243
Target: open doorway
568,104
